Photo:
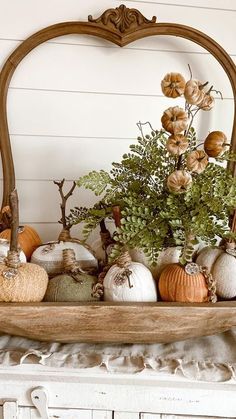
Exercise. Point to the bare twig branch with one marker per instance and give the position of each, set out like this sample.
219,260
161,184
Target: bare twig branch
14,207
64,198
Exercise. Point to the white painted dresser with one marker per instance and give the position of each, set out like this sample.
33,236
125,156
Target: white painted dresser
95,394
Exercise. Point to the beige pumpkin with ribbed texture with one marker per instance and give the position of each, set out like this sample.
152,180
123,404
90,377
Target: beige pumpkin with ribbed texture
27,283
222,266
176,285
20,282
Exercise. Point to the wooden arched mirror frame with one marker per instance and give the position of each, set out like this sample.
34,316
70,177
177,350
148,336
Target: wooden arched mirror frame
82,322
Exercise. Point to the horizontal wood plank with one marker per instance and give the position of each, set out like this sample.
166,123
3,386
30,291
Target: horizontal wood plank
212,4
15,24
67,157
128,323
100,115
111,70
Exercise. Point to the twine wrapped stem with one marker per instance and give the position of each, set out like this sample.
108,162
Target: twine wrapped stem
71,265
123,261
211,284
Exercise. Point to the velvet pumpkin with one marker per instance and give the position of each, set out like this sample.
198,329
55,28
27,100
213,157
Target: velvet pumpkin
28,239
73,284
173,85
215,143
4,248
194,92
179,181
129,281
166,257
176,285
175,120
222,265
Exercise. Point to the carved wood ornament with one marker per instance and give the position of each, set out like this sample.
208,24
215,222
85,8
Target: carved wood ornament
120,26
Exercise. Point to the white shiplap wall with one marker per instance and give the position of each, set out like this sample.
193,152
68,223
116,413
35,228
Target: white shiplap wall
73,102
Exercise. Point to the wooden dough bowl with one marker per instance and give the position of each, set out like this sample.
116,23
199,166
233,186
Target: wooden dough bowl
116,322
110,322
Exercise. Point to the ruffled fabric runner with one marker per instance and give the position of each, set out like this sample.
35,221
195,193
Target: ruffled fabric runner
211,358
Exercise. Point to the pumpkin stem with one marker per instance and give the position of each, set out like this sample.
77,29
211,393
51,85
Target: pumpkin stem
203,85
117,215
188,250
13,259
64,198
190,71
71,265
218,92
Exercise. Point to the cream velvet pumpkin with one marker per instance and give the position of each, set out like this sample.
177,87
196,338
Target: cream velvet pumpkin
50,256
166,257
4,247
223,269
139,287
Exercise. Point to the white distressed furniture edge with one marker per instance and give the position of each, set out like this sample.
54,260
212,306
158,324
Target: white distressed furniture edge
90,389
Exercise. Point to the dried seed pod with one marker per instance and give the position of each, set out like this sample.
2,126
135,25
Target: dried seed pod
215,143
173,85
179,181
177,144
174,120
194,91
197,161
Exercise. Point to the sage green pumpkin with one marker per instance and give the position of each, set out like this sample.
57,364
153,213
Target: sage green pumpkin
64,288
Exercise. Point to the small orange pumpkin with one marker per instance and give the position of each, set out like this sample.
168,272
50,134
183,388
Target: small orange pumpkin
215,143
173,85
28,239
175,285
194,92
175,120
197,161
177,144
207,103
179,181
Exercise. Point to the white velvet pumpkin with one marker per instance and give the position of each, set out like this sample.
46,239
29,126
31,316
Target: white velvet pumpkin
166,257
50,256
140,286
4,247
223,269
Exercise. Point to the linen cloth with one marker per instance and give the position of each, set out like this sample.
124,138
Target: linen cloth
211,358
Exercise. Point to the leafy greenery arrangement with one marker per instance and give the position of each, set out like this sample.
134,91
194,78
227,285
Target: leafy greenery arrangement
169,193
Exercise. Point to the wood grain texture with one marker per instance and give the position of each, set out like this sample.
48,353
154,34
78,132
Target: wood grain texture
116,322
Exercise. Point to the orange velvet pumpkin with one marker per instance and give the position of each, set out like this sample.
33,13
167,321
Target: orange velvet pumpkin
28,239
175,285
215,143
